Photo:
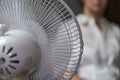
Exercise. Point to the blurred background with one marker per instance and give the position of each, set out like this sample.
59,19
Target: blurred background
112,12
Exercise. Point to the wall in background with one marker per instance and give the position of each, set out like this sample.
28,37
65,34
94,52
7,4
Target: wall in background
74,5
112,12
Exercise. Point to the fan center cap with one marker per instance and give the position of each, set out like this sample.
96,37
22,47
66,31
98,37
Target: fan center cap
2,60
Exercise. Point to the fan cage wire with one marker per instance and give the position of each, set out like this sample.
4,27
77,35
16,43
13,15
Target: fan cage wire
64,16
79,33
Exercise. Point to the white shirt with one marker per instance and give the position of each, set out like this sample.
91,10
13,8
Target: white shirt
101,47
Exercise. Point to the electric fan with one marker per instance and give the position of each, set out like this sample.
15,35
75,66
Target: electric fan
39,40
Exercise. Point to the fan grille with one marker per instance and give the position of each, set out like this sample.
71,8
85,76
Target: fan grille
57,30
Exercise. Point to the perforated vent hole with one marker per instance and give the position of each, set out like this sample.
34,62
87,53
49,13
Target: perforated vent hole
7,70
10,50
12,67
15,61
1,71
14,55
3,49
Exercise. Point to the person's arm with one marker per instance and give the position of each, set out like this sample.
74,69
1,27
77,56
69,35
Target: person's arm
76,77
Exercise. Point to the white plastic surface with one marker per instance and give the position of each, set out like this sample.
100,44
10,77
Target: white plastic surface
20,54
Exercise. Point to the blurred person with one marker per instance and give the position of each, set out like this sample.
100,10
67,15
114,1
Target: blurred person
101,43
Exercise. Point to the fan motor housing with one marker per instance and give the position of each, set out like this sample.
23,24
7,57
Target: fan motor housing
19,54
